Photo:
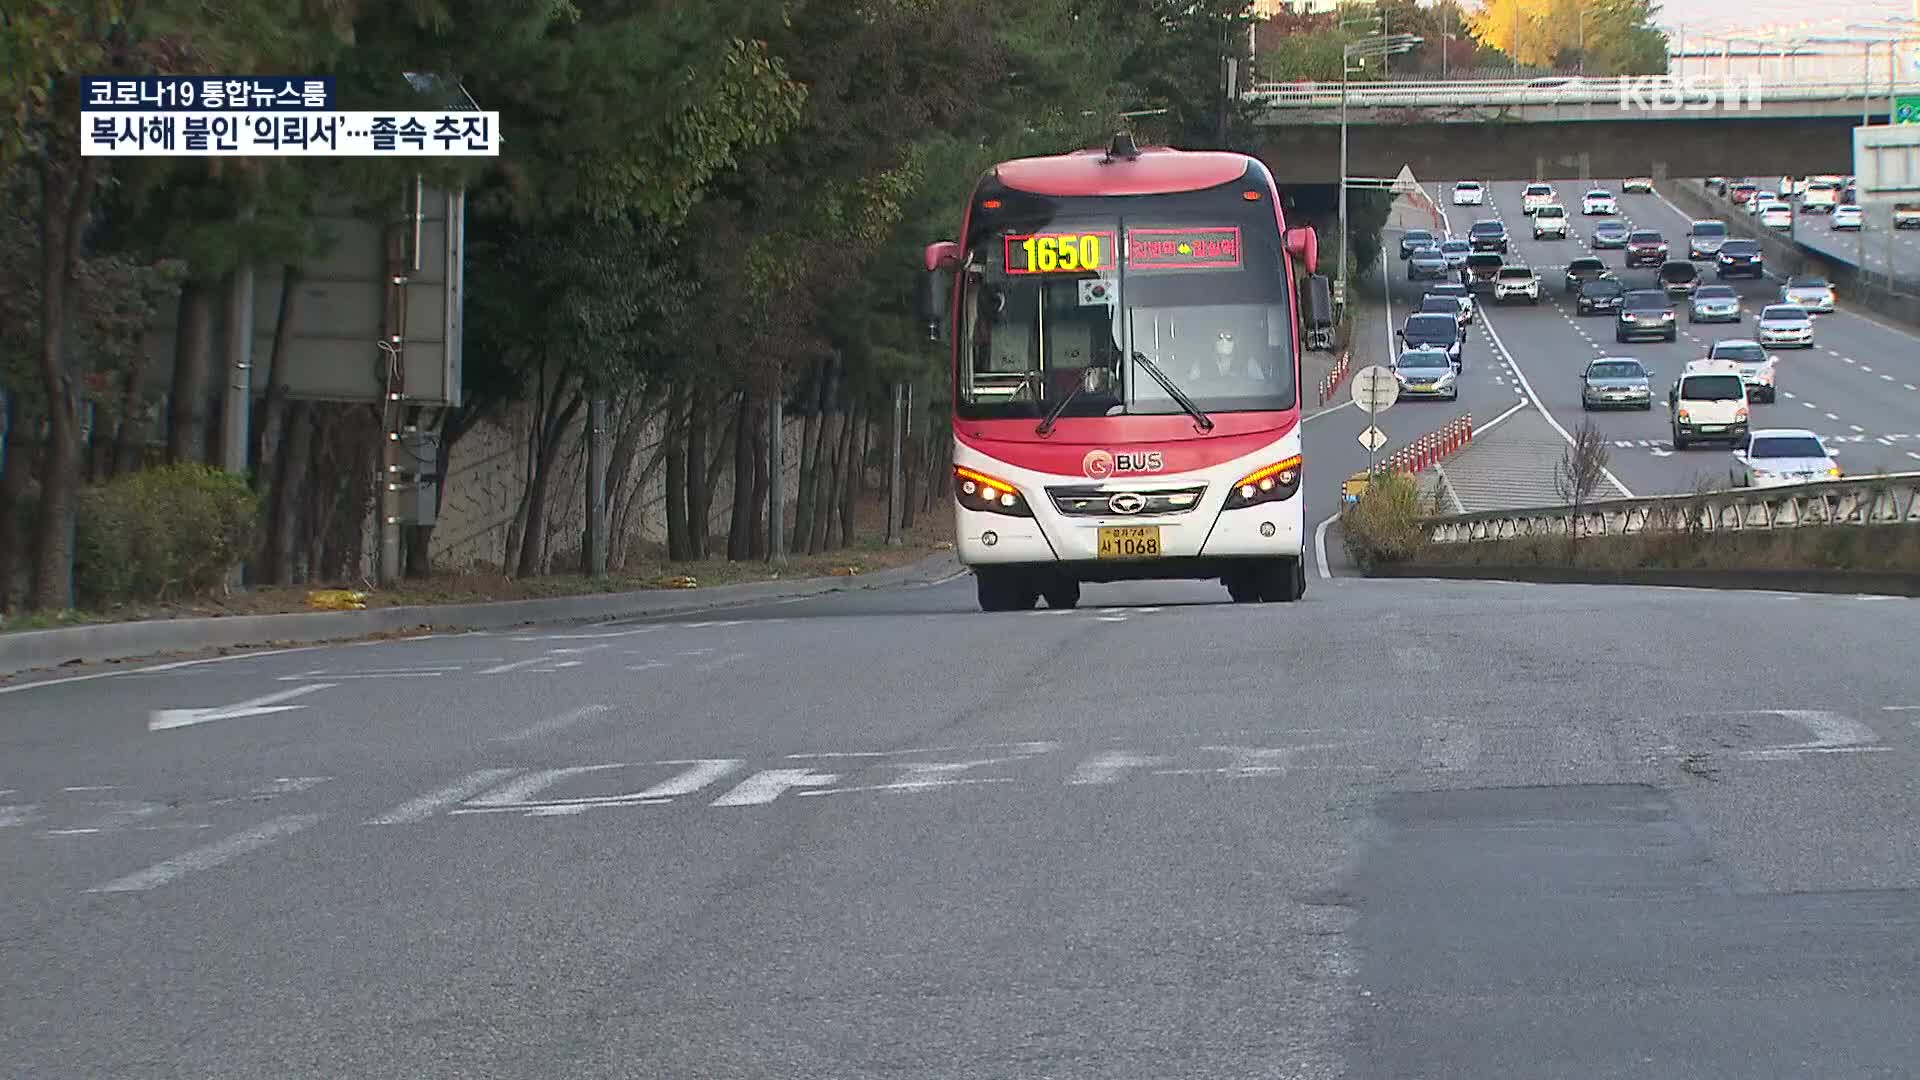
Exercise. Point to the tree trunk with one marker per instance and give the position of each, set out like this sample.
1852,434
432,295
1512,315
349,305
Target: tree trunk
66,201
911,453
127,438
266,438
16,462
742,523
192,367
677,543
832,422
291,462
847,474
699,496
815,401
533,537
762,483
629,420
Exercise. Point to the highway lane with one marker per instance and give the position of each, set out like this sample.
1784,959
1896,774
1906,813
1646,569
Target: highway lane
880,834
1851,389
1815,231
1859,385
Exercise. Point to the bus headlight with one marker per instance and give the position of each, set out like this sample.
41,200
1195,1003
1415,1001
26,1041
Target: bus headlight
978,491
1276,482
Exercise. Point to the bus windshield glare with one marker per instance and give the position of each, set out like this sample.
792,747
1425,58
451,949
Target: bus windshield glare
1068,295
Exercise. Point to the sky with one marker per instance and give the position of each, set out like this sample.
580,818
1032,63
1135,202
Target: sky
1786,15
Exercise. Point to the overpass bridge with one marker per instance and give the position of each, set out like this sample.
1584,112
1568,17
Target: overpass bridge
1568,128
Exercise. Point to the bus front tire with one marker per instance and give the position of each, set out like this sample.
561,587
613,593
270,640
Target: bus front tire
1282,581
1004,590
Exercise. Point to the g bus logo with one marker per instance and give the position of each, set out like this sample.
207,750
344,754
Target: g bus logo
1690,93
1100,464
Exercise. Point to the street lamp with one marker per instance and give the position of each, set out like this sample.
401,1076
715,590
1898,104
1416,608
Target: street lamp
1383,46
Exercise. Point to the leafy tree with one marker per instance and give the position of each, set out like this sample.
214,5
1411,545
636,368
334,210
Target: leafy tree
1618,35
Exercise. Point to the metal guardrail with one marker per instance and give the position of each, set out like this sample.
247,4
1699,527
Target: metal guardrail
1309,95
1889,499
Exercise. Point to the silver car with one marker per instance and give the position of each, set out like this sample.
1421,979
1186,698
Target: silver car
1714,303
1456,252
1785,324
1426,262
1773,457
1616,382
1811,293
1427,372
1757,369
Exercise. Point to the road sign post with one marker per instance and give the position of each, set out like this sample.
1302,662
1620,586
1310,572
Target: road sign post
1374,389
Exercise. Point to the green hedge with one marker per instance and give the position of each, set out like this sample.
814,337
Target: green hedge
162,534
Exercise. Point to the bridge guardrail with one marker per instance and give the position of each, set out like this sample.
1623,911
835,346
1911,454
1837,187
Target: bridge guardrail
1884,499
1524,92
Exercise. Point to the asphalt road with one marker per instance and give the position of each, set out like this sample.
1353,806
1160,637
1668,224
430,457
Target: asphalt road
1398,829
1859,386
1815,231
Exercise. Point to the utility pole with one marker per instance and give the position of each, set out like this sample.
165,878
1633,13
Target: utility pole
776,470
235,429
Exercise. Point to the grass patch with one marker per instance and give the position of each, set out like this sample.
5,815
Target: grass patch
1822,547
870,554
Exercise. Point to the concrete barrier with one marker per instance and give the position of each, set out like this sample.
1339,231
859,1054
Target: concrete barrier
1786,257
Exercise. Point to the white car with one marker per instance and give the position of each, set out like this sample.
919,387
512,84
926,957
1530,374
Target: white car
1813,293
1599,201
1550,220
1773,457
1708,401
1785,324
1846,216
1516,283
1776,215
1469,193
1537,196
1641,184
1761,199
1757,367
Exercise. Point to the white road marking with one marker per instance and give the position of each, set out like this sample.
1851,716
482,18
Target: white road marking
1808,405
556,723
1105,768
1856,427
589,637
1831,416
1788,394
210,856
719,662
168,719
1329,409
18,815
1320,546
415,674
289,785
1884,377
501,669
1544,411
768,784
424,807
1832,734
1863,367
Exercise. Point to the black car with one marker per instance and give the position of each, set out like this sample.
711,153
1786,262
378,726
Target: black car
1439,330
1678,277
1488,236
1599,296
1414,239
1740,258
1646,313
1646,247
1585,269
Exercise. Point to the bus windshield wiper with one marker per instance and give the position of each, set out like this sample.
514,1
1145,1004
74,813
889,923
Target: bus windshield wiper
1053,414
1204,421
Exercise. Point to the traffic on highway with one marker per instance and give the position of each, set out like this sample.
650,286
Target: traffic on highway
1639,281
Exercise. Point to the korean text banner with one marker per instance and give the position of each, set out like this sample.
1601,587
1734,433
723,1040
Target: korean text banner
207,93
454,133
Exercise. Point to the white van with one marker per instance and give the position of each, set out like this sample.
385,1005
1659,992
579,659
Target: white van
1819,197
1708,403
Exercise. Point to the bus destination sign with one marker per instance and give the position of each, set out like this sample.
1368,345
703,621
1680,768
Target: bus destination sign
1061,252
1184,249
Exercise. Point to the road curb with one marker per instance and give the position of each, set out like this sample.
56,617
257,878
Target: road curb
31,649
1850,582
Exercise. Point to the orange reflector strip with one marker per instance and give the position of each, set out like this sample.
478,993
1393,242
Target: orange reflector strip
991,204
1250,196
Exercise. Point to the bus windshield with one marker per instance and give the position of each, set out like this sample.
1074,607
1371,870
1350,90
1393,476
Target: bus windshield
1084,295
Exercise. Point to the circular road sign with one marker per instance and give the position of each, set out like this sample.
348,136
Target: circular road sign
1375,389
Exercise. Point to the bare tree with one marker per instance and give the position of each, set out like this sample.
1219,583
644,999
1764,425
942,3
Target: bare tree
1582,467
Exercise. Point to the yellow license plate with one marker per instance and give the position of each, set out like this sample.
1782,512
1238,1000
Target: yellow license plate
1130,542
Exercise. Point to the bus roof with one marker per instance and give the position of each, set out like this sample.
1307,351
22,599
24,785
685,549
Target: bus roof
1158,170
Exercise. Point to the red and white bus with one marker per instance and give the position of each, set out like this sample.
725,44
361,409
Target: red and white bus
1126,383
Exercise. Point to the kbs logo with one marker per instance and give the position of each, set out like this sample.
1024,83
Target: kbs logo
1100,464
1690,93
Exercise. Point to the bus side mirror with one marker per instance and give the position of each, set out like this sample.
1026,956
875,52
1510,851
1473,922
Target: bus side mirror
941,260
1304,244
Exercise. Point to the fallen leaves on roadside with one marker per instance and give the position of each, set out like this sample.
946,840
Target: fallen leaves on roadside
683,581
336,600
844,571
